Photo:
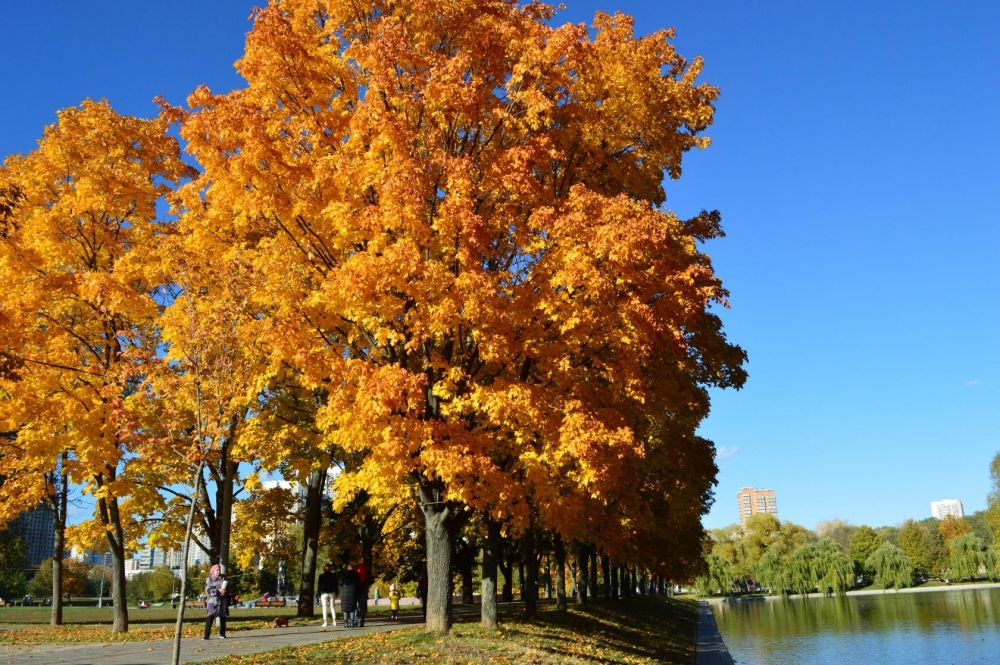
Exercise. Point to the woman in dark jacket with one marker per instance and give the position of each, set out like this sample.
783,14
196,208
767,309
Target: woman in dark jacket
215,601
349,583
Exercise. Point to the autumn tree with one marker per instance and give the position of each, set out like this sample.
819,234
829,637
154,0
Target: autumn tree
83,201
952,527
457,207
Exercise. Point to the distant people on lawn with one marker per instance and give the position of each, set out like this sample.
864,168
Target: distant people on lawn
327,588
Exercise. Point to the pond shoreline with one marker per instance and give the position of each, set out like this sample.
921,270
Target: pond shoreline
862,592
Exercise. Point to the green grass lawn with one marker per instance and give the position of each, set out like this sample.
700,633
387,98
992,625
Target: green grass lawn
93,625
638,630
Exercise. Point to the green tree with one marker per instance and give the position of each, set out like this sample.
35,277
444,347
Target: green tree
889,534
772,572
137,588
911,540
834,568
864,543
801,567
968,554
935,553
75,577
992,514
979,526
13,561
162,583
891,566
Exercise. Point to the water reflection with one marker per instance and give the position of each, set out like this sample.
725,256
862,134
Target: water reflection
917,628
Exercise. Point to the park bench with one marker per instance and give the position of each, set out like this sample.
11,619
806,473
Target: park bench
269,603
195,604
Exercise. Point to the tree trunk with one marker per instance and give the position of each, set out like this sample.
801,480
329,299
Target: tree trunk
59,542
606,572
179,626
582,579
529,587
209,520
437,515
547,571
312,520
226,512
491,551
623,582
593,572
635,582
113,532
560,552
506,565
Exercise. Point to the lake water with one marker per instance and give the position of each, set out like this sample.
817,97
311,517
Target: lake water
933,628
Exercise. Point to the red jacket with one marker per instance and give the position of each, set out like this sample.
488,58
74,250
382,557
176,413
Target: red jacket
362,571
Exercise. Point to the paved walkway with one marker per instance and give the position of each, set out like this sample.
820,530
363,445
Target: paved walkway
195,650
709,647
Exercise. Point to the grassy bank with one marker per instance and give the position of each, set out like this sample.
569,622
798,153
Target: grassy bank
639,630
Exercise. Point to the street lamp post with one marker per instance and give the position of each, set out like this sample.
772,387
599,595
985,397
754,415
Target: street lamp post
100,597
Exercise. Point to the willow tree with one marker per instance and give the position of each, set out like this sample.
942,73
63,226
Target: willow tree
835,569
969,555
86,198
457,208
891,566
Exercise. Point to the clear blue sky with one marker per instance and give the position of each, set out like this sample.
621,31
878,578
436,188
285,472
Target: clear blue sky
855,165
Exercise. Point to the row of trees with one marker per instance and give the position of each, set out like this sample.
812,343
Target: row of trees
787,558
425,245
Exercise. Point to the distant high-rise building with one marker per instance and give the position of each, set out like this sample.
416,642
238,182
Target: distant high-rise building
752,501
299,490
944,507
90,557
38,530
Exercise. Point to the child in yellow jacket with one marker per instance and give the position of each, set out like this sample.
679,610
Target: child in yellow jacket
393,602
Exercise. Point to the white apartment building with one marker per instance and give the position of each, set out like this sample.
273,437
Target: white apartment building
944,507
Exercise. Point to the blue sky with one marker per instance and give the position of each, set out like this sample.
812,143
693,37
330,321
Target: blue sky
854,163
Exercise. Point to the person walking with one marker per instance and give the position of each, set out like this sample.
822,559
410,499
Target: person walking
362,571
349,584
327,588
393,603
215,601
